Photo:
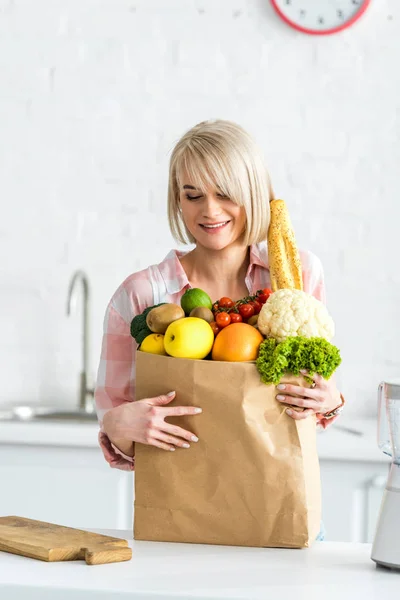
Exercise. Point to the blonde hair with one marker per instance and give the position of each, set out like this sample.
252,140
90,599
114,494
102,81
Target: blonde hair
220,154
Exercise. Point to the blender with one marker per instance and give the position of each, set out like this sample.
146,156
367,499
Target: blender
386,545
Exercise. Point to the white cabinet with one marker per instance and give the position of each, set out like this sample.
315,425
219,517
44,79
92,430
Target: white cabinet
351,496
71,486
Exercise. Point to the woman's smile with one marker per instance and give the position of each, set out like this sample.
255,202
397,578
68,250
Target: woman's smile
215,228
210,216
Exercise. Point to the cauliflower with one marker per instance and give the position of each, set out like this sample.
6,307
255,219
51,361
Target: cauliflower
289,313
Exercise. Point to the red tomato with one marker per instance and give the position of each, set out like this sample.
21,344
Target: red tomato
264,295
225,302
222,319
214,327
236,317
246,310
215,306
256,305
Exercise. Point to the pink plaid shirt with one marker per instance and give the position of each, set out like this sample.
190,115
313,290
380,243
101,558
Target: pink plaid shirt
165,282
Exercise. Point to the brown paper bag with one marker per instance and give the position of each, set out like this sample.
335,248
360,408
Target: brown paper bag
253,477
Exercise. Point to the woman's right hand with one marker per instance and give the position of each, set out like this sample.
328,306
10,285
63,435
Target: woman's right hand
143,422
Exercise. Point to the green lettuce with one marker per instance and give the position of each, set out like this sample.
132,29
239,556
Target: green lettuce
315,354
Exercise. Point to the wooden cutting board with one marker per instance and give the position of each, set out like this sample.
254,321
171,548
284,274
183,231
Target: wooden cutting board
49,542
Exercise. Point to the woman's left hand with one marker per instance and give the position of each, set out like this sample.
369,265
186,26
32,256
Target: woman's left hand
322,397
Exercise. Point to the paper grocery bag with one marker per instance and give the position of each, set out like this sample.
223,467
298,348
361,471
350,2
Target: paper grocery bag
253,477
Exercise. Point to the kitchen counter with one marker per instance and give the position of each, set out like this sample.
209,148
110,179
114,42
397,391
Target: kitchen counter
50,433
333,443
326,571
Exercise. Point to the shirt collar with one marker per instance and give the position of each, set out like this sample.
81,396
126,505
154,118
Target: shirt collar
175,278
259,255
172,272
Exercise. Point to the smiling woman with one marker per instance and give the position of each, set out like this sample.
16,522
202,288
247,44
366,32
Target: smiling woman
219,198
218,167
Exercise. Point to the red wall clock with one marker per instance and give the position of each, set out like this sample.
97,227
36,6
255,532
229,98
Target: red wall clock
320,17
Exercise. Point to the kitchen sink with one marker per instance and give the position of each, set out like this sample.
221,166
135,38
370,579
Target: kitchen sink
26,413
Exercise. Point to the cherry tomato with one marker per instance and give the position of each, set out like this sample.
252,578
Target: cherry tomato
225,302
256,305
246,310
264,295
236,317
215,306
214,327
222,319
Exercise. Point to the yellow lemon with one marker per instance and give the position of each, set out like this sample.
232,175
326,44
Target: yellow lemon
190,337
153,343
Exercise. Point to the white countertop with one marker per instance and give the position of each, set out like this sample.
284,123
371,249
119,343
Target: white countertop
50,433
333,443
326,571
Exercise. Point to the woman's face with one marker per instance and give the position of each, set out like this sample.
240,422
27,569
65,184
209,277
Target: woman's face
213,219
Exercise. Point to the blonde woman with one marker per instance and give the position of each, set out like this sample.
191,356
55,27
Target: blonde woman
218,200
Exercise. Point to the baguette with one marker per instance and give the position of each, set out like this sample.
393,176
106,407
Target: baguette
284,259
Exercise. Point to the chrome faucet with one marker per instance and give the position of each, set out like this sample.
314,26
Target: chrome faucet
86,393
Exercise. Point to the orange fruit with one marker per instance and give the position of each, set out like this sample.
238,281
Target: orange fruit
237,342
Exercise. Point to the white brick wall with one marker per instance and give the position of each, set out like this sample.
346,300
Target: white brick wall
93,95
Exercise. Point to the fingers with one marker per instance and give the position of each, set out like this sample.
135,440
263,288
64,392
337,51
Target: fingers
160,400
300,402
161,434
172,440
179,411
179,432
167,441
317,378
172,436
298,416
162,445
297,391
